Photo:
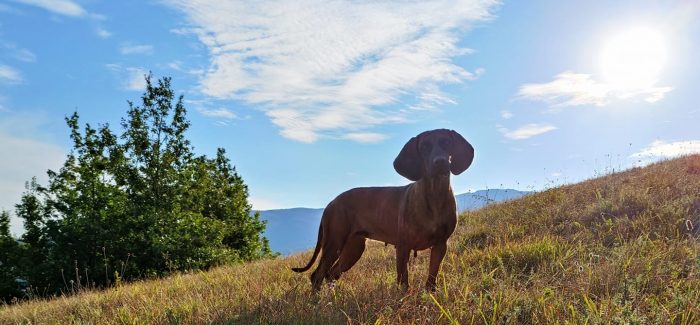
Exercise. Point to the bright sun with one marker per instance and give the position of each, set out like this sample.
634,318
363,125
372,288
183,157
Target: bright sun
633,58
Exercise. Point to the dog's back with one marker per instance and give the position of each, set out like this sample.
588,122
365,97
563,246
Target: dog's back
370,211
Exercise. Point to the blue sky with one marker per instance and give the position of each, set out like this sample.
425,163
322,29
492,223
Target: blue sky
311,98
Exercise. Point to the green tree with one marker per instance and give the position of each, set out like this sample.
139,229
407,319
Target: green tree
157,153
138,204
230,202
36,261
9,255
220,194
87,206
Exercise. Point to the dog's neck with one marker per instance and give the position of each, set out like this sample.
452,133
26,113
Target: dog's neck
437,193
437,186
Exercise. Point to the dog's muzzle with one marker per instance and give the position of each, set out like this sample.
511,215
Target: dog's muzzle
440,166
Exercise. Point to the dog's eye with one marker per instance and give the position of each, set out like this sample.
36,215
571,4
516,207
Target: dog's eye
444,143
425,147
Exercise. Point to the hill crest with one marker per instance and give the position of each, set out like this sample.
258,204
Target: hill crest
621,248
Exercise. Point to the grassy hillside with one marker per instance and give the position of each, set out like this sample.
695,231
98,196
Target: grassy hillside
621,248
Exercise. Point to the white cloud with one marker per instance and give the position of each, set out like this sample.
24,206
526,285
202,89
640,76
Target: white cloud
526,131
103,33
661,149
133,78
17,52
10,74
175,65
319,67
136,79
128,49
573,89
505,114
97,17
364,137
61,7
222,112
25,55
431,99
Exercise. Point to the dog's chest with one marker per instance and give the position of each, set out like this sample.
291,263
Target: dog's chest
441,228
424,232
427,217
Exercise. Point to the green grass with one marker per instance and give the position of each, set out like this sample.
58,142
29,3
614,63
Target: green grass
622,248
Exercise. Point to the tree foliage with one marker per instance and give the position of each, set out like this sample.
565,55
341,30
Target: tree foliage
9,253
133,205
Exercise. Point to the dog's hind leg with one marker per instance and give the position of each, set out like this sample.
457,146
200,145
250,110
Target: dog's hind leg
329,256
351,253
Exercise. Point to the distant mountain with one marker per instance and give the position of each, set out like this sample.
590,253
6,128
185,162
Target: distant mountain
296,229
292,230
481,198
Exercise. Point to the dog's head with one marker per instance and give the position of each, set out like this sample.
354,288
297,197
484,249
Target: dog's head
434,153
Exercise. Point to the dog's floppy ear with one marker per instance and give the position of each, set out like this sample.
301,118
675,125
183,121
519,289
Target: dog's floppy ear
409,163
462,154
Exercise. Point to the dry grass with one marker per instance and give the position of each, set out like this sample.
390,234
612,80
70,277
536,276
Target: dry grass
618,249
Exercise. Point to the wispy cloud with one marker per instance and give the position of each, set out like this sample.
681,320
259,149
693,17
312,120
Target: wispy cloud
11,50
526,131
661,149
132,78
61,7
128,49
103,33
574,89
506,114
364,137
319,68
431,100
136,79
175,65
223,113
9,74
25,55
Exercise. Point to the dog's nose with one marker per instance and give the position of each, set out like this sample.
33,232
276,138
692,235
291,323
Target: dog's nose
440,161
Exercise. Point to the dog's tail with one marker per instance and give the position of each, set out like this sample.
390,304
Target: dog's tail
316,251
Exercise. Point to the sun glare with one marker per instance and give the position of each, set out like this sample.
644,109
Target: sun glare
633,58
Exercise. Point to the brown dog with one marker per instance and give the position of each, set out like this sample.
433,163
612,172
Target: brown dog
417,216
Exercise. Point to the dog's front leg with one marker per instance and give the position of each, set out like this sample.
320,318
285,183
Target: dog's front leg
437,253
402,255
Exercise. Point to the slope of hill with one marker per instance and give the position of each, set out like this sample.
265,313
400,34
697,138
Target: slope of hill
618,249
295,230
